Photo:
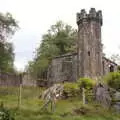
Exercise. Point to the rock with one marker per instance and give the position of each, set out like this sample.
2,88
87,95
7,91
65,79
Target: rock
117,96
108,97
102,95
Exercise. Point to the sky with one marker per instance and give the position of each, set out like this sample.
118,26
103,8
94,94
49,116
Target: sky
36,16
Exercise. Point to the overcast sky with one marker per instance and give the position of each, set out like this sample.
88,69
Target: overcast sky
36,16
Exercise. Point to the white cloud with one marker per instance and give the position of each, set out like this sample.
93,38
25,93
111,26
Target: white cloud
36,16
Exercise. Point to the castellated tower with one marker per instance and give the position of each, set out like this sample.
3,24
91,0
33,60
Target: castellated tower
89,43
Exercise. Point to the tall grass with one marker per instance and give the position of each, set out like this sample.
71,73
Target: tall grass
65,109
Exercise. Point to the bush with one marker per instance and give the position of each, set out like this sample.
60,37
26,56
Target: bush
70,90
86,88
5,114
119,68
86,83
113,80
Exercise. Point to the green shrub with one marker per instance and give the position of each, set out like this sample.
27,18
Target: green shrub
5,114
113,80
86,88
119,68
70,89
86,83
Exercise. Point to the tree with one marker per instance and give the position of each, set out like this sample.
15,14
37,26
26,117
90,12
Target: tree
8,27
113,80
115,58
60,39
6,57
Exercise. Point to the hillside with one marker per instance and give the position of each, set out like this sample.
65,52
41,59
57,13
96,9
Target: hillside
69,109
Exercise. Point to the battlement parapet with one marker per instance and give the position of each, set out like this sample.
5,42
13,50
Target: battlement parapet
93,15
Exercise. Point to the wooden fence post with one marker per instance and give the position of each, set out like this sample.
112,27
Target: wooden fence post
0,76
83,95
20,91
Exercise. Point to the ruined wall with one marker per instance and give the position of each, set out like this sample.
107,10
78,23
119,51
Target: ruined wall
108,97
89,60
63,68
108,66
28,80
7,79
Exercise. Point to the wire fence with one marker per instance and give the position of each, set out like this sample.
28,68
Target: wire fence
13,93
8,79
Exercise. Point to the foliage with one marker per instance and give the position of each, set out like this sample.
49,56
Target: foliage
86,86
113,80
70,90
115,58
5,114
86,83
8,27
38,68
60,39
6,57
68,109
119,68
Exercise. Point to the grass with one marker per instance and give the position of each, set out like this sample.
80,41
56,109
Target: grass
70,109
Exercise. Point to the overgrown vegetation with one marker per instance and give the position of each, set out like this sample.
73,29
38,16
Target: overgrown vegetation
8,27
71,90
86,85
113,80
60,39
68,109
5,114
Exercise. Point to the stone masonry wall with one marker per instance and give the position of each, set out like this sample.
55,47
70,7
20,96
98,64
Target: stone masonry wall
63,68
89,43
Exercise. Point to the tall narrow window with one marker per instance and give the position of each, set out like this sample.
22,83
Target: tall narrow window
103,67
88,53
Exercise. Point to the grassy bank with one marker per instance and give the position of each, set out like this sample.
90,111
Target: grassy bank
70,109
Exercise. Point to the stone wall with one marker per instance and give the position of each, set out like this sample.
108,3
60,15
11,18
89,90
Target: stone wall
7,79
108,66
89,43
27,80
107,97
63,68
89,60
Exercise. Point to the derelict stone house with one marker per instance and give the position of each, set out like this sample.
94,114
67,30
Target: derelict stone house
89,60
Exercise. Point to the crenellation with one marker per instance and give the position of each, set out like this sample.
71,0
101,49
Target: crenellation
93,15
99,16
83,14
78,17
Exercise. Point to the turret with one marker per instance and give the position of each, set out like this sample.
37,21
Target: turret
89,43
92,15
